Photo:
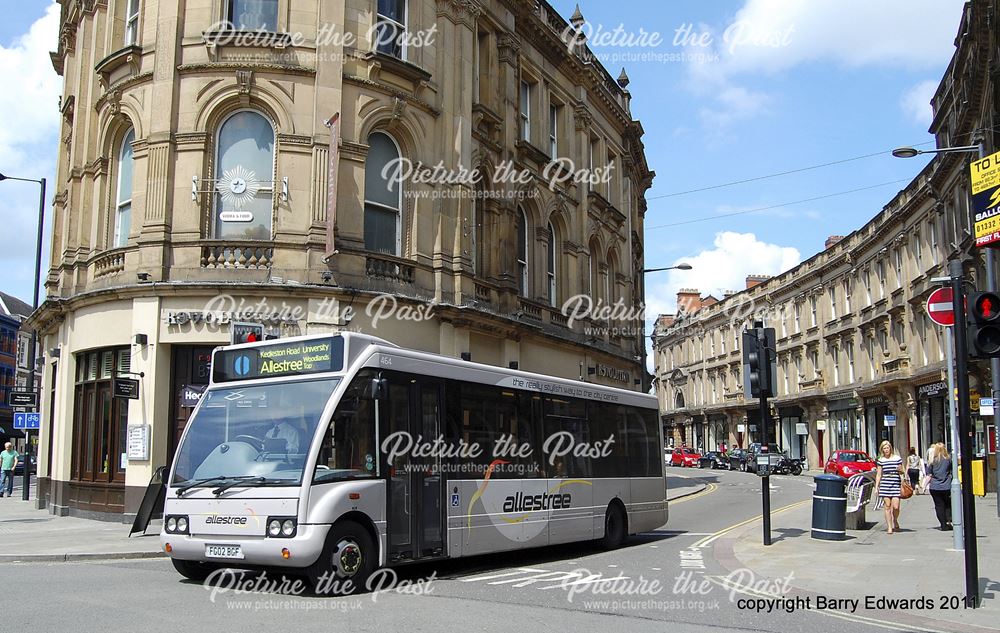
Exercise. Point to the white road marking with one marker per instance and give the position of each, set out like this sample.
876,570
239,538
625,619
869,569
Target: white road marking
521,570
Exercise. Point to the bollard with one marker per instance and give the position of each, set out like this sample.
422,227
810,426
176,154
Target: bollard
829,517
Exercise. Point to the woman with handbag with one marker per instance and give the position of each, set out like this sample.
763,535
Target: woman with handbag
940,485
889,484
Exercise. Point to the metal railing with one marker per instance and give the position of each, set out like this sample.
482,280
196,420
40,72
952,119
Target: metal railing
860,488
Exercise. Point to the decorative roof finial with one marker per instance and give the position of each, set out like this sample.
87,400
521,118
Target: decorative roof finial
577,18
623,79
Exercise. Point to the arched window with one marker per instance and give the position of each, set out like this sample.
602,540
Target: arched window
595,270
609,280
245,177
522,252
551,266
123,197
383,195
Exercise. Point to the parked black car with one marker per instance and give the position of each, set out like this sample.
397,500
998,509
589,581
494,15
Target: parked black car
750,465
713,460
737,459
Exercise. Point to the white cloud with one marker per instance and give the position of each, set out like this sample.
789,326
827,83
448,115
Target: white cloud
916,102
766,37
28,145
723,267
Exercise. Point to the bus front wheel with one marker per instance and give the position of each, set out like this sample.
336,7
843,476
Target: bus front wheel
347,560
615,527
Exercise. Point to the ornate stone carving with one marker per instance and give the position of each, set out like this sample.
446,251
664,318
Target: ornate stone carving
245,80
582,117
508,48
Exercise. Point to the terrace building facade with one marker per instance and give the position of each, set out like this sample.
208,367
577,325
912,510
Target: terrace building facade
858,358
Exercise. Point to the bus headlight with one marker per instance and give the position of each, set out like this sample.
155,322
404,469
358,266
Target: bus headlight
281,527
176,524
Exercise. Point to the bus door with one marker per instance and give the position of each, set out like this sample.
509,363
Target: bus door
415,511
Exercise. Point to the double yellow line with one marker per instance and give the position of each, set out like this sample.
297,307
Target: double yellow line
709,489
715,535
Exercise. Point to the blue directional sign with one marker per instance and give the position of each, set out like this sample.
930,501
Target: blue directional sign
27,421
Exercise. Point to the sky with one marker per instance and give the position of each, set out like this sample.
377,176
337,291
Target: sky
766,86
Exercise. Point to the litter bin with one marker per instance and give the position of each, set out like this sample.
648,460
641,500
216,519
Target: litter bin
829,521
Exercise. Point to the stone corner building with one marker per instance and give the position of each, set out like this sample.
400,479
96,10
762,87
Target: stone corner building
195,164
858,360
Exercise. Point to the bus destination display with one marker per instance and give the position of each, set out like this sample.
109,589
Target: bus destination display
279,359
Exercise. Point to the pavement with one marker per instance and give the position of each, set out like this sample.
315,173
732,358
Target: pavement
27,534
918,561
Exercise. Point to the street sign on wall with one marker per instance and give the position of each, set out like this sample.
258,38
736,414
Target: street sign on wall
984,177
23,399
940,307
27,421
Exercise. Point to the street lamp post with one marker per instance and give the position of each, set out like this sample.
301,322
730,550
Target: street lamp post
657,270
26,481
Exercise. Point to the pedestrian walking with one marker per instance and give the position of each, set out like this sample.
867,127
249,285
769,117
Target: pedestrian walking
940,485
889,484
8,462
913,468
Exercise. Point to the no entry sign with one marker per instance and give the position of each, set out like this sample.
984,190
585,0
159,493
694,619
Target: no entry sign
940,307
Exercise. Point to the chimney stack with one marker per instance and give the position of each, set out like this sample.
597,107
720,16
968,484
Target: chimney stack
754,280
688,300
833,239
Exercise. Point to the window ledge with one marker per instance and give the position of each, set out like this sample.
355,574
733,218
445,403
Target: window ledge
246,39
399,67
128,55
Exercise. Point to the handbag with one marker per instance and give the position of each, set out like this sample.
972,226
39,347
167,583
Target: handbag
905,490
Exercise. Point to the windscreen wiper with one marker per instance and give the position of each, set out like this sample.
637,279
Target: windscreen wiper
245,481
207,480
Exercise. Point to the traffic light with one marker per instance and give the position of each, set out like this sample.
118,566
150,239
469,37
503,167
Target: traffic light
984,325
759,362
246,333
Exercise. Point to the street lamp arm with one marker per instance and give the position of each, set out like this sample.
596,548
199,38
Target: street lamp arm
910,152
2,178
677,267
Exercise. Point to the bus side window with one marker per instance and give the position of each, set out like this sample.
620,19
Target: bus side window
348,444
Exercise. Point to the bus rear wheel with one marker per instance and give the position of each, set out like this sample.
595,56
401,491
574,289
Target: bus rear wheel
615,527
347,560
193,570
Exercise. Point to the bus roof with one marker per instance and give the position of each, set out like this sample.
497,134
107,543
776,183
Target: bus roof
364,347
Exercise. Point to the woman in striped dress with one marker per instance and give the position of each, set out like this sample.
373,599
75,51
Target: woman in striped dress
888,483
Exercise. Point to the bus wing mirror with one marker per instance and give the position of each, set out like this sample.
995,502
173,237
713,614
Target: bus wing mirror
380,389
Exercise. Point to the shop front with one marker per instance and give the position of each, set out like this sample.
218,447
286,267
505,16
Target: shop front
844,424
933,416
792,432
880,423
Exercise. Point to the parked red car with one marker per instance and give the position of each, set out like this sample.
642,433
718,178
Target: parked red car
847,463
685,457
